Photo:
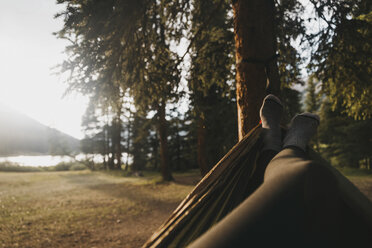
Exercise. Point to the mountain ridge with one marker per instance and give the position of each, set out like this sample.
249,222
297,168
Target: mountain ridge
23,135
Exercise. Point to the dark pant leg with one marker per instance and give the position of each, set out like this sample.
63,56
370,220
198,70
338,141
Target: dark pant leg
280,211
319,193
258,177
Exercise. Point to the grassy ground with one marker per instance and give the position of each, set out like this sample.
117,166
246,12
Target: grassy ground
361,178
84,209
92,209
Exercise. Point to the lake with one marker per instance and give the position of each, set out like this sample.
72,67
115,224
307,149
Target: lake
45,160
48,160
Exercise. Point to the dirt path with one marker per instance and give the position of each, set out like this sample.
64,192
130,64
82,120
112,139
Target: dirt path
90,209
83,209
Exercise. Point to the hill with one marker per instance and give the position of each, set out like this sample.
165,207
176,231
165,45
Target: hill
22,135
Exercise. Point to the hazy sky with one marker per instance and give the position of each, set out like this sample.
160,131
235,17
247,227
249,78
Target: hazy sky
28,51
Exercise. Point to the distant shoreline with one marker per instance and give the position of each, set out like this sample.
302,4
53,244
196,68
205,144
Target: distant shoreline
36,160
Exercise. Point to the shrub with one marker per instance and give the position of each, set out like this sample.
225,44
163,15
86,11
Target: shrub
62,166
77,167
14,167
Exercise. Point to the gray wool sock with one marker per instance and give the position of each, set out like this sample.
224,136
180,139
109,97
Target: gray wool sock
271,114
302,128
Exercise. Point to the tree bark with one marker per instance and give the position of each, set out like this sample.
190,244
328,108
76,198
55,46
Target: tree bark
156,157
111,154
257,71
178,146
117,128
201,147
118,146
128,142
164,156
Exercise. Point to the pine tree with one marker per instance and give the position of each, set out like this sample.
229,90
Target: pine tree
255,42
345,141
312,105
210,81
341,55
263,27
124,45
312,101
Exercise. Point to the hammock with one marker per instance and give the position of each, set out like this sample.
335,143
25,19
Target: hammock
230,181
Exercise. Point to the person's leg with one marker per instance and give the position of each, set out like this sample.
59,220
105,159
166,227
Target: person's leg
317,192
293,207
270,114
280,211
319,185
271,216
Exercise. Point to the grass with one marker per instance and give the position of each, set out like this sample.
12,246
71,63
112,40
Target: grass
360,177
84,208
94,209
353,172
7,166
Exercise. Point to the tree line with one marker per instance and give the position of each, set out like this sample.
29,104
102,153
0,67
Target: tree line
167,109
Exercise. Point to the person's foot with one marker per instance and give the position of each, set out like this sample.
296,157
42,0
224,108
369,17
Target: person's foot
271,114
302,128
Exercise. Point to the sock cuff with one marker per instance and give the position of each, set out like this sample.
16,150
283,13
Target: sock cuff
310,115
274,99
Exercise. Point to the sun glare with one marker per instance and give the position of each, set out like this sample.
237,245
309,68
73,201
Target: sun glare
29,51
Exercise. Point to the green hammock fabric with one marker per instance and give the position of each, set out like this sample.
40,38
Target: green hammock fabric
229,182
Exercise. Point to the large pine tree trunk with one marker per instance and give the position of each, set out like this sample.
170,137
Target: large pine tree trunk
164,156
257,72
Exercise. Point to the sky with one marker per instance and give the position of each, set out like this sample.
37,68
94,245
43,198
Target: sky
28,54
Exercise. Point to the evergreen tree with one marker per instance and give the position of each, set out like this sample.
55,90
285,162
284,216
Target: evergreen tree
124,45
345,141
312,101
312,104
263,27
124,48
210,81
291,99
342,54
140,144
181,143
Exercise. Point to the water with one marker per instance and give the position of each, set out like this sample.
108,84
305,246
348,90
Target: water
45,160
48,160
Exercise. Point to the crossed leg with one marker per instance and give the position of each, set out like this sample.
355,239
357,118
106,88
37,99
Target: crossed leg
296,206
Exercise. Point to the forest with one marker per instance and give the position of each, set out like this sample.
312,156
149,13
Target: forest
173,85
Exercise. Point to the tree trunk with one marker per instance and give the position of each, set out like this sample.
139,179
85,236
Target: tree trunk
164,156
105,166
156,157
105,149
257,71
118,156
107,141
111,159
201,147
128,142
117,126
178,145
111,164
